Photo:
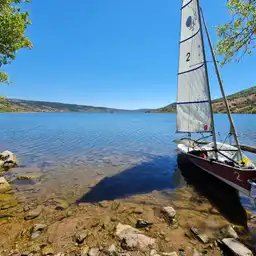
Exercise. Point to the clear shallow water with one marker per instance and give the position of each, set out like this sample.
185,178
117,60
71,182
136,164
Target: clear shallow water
73,149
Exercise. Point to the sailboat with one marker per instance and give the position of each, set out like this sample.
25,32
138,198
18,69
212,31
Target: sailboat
225,161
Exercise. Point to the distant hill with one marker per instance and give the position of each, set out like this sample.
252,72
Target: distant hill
240,102
15,105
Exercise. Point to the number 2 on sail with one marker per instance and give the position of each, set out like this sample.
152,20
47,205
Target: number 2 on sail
188,56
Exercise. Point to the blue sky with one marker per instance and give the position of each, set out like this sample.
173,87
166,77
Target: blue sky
116,53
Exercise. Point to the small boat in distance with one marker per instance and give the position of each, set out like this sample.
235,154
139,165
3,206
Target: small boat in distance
195,114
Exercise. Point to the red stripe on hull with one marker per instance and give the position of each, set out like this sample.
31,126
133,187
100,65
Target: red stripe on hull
229,173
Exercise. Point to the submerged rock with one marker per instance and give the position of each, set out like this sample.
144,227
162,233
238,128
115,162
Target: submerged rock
7,201
30,176
33,213
59,204
10,202
236,247
5,197
134,239
4,185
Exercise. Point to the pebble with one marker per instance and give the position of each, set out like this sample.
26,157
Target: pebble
143,224
112,248
84,250
35,235
169,211
80,236
202,237
94,252
34,248
113,218
196,253
39,227
26,208
47,250
153,252
138,210
33,213
169,254
26,253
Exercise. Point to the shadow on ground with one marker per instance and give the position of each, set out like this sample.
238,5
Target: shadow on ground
145,177
158,174
225,198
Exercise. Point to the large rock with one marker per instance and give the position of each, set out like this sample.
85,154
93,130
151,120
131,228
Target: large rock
8,159
133,239
33,213
57,203
169,214
236,247
4,185
228,232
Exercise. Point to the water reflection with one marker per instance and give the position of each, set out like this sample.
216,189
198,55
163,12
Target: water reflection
225,198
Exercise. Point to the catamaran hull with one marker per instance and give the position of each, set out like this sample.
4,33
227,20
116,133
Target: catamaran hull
230,175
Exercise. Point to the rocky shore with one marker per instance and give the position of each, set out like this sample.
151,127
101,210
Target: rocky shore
180,223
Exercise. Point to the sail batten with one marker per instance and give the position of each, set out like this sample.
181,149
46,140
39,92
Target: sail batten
193,101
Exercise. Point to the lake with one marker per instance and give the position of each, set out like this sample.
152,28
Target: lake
74,151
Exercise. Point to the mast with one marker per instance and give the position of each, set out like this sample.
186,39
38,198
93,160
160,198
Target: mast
207,79
232,126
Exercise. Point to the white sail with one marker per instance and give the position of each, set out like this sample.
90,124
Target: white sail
193,102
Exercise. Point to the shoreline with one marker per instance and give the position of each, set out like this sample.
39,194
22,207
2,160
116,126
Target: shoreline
63,222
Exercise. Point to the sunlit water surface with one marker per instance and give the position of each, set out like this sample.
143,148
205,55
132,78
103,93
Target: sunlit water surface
74,151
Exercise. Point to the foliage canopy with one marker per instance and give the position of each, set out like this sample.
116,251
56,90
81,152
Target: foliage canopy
237,37
13,24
